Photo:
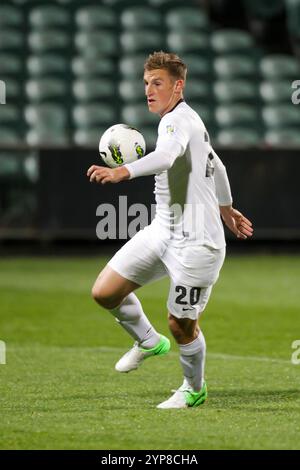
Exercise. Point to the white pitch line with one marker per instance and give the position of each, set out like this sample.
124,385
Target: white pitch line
111,349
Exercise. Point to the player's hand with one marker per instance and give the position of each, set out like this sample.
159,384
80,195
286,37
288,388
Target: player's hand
236,222
101,174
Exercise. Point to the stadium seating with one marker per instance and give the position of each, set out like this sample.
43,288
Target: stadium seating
88,56
11,40
132,65
141,18
189,42
90,121
93,89
282,138
238,137
10,16
243,115
10,64
87,66
49,17
235,66
95,43
132,90
281,116
275,91
187,18
95,17
232,41
293,17
50,40
229,91
137,115
140,41
53,65
279,66
198,66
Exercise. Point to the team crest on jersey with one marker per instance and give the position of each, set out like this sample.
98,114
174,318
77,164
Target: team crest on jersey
170,129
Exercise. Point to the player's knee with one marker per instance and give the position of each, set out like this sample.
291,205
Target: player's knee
103,297
176,329
184,330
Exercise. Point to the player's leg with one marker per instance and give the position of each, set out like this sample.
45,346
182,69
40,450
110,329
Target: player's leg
195,270
133,265
192,348
115,293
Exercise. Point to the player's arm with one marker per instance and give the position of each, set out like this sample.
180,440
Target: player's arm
155,162
234,220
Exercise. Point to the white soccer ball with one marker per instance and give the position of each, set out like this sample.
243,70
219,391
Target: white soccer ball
121,144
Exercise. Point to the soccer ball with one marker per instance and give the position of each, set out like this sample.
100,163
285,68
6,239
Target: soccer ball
121,144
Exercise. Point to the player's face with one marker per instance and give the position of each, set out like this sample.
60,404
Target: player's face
162,91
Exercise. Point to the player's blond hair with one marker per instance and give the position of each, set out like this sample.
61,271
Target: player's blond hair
167,61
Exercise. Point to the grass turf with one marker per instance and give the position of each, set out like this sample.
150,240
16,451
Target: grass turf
59,389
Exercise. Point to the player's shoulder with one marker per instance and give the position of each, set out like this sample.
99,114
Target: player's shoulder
183,114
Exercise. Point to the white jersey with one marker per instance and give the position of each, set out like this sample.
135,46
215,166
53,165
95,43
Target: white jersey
185,194
187,170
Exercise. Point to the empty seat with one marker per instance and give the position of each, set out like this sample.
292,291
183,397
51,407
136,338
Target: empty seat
187,19
13,89
46,116
279,66
10,64
293,17
9,136
55,40
11,40
49,16
135,18
227,41
132,90
237,115
276,91
91,44
188,42
197,90
283,138
197,65
41,136
235,65
88,66
138,41
235,91
47,124
93,89
10,16
238,137
281,116
88,137
138,115
48,64
10,114
91,115
46,89
132,66
95,17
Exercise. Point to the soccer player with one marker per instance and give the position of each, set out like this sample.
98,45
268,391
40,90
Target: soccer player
184,241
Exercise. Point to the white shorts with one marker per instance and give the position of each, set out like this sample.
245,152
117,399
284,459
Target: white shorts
192,270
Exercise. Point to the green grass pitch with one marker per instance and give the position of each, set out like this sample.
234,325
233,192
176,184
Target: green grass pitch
59,390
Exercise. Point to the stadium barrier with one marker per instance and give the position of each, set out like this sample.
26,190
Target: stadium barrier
46,195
